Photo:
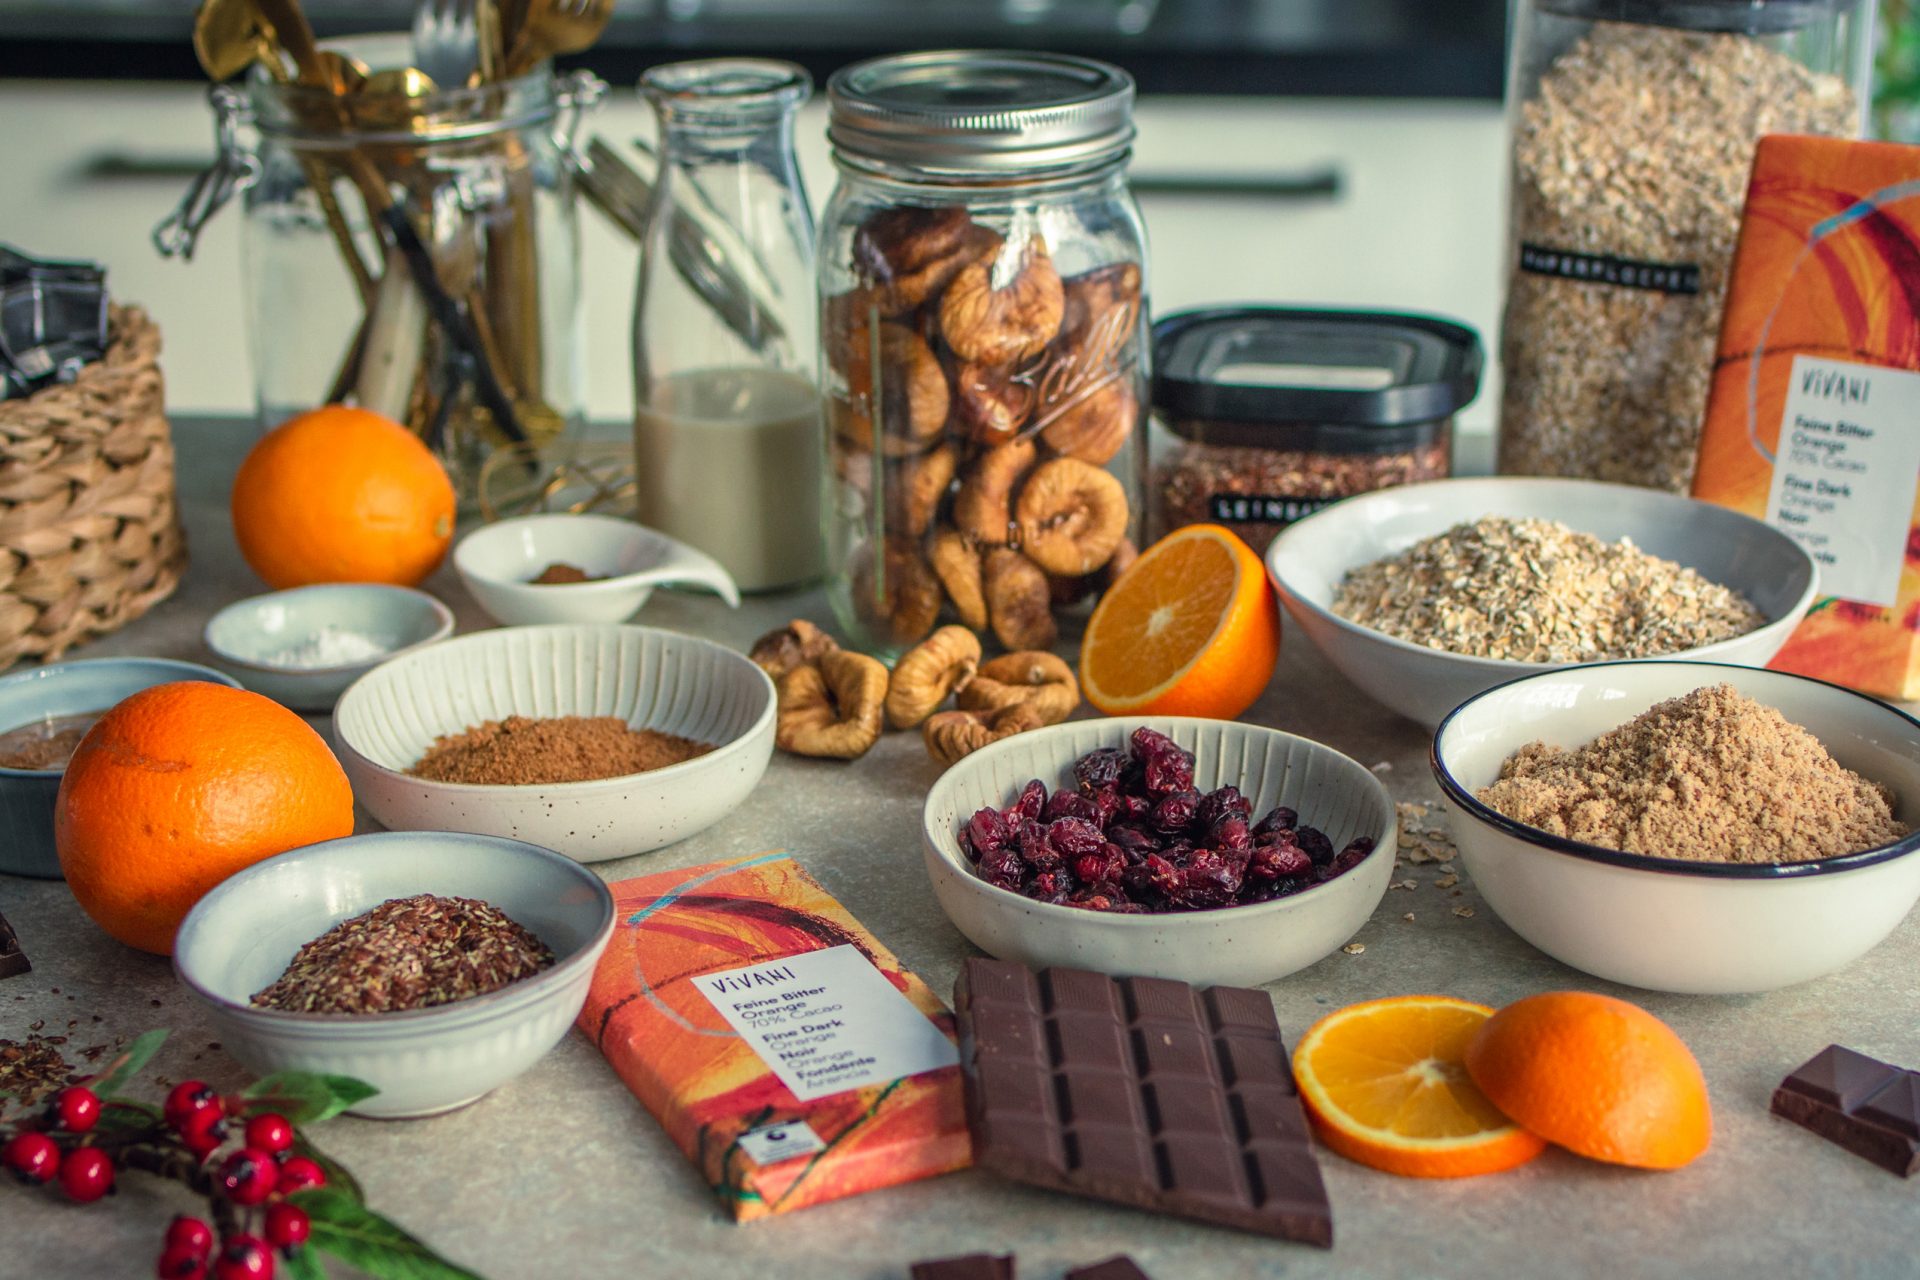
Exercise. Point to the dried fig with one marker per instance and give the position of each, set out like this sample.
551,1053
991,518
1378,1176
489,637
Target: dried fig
1005,308
903,602
1096,295
939,665
779,652
911,253
991,403
957,565
912,387
1019,606
1035,677
915,491
1096,426
1071,517
982,509
832,706
953,734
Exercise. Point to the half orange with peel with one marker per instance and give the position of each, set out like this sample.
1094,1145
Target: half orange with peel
1190,629
1385,1085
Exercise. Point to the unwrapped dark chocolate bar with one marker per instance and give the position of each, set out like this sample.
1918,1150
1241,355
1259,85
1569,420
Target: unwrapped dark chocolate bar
1867,1106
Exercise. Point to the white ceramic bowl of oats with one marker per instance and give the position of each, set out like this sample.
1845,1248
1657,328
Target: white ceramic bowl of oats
1309,560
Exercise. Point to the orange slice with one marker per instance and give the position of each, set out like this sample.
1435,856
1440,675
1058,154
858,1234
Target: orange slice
1189,630
1385,1085
1599,1076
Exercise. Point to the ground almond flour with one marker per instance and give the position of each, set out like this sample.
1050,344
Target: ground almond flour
1536,591
1710,777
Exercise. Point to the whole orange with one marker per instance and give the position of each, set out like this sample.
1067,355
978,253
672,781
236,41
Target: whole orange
1599,1076
177,788
342,495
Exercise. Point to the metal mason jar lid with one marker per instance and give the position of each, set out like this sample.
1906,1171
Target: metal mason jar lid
980,112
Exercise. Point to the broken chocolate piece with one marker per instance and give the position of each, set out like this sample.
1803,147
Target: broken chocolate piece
1141,1091
968,1266
1869,1107
1119,1267
13,961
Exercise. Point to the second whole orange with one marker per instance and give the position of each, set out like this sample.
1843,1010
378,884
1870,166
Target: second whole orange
179,786
341,494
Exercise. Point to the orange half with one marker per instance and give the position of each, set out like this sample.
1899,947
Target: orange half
1190,629
1385,1084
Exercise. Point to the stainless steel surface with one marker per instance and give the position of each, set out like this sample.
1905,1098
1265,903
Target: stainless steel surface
446,40
562,1173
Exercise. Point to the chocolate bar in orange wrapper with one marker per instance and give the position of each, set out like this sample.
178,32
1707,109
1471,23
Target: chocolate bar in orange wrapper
786,1051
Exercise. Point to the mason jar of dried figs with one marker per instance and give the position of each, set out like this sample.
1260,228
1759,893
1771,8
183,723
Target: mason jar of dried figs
983,340
1634,124
1271,414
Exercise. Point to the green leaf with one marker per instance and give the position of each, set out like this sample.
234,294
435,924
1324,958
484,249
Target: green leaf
120,1116
305,1097
362,1238
304,1264
129,1063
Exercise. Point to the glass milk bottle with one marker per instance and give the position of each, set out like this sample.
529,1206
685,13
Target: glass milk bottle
726,412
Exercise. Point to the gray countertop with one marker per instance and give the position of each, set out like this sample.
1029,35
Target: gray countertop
562,1173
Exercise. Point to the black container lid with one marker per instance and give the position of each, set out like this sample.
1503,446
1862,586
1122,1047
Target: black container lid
1739,17
1279,378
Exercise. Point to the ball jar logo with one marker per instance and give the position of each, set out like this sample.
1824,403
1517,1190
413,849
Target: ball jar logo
1104,350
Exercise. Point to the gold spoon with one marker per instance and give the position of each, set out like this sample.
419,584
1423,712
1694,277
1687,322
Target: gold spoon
551,27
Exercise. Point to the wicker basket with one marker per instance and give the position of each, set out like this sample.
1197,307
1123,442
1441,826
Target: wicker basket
90,534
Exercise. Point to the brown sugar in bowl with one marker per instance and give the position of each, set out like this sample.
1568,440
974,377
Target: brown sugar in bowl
648,678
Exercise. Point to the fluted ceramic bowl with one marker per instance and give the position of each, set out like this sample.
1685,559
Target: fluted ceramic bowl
1663,923
239,938
649,678
1235,946
1310,558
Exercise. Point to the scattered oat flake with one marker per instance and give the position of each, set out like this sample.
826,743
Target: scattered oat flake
1354,948
1465,913
1446,881
1408,917
1404,884
1385,766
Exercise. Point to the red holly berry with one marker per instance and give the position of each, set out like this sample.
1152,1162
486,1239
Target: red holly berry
243,1257
270,1131
33,1157
298,1173
189,1098
191,1234
287,1226
75,1109
248,1176
203,1131
86,1174
177,1263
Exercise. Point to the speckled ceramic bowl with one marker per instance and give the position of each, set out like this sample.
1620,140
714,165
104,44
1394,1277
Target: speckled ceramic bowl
250,637
649,678
65,689
1236,946
239,938
499,561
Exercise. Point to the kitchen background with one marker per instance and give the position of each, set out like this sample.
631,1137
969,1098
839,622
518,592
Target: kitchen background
1343,152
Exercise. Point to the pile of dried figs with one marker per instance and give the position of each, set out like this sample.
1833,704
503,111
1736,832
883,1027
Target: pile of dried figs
975,398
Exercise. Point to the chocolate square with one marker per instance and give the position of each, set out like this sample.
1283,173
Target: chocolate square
968,1266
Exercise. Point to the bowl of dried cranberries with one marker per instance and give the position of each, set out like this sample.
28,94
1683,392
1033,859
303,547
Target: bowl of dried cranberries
1203,850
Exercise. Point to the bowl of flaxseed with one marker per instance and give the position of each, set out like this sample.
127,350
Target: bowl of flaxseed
599,741
1687,826
1426,594
435,966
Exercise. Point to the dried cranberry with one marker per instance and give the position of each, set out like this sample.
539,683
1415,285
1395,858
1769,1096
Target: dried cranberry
1104,867
1107,805
1167,768
1205,882
1224,802
985,832
1276,859
1035,849
1352,856
1003,869
1050,886
1100,770
1132,808
1230,833
1133,842
1071,837
1315,842
1175,812
1278,819
1033,798
1105,899
1070,804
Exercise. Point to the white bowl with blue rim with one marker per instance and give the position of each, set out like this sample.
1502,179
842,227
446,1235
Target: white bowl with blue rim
304,646
1669,924
1309,559
624,562
240,937
83,687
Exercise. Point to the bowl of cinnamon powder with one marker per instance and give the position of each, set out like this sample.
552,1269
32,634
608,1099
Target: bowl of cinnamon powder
599,741
1687,826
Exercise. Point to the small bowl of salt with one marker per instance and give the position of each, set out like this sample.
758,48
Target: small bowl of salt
303,647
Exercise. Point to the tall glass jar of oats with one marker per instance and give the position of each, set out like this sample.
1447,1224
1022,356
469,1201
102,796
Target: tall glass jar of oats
983,358
1633,126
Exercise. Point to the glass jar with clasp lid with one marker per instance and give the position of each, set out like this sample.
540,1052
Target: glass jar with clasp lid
983,351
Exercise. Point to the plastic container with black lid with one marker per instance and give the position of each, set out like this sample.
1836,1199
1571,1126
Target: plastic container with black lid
1271,414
